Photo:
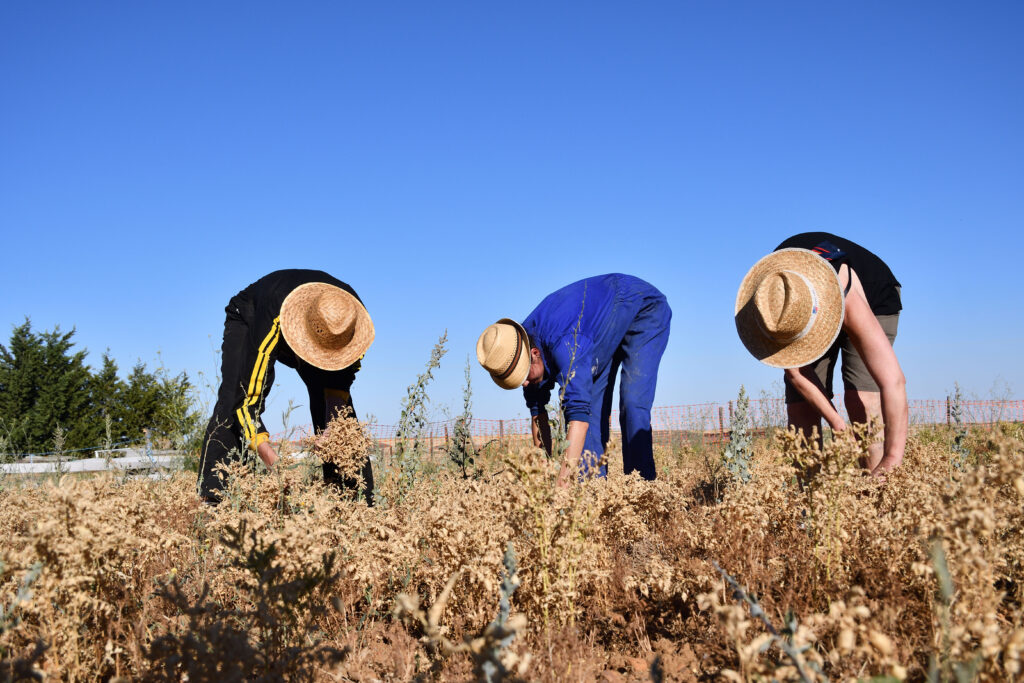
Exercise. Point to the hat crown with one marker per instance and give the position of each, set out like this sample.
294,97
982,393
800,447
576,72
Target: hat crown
332,320
785,302
325,325
504,352
496,347
789,308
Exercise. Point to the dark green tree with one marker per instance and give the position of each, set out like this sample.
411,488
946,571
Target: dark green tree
161,402
179,417
106,411
141,400
43,384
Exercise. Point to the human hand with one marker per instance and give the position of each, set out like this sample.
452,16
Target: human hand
267,454
838,424
887,464
564,477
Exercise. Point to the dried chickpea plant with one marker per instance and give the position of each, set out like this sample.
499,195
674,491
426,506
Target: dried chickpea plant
345,444
613,578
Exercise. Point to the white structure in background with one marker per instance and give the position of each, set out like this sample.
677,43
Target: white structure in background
117,460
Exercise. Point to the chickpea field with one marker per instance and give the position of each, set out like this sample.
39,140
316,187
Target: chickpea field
794,566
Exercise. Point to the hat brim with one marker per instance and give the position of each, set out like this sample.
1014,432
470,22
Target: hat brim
294,312
828,319
515,379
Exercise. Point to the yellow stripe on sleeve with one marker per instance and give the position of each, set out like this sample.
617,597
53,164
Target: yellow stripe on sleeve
259,376
269,342
248,429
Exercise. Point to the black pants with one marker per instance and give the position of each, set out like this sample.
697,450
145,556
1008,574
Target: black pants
318,383
224,437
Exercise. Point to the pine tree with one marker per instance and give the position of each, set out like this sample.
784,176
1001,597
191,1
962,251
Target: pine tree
140,401
161,402
106,410
178,417
43,385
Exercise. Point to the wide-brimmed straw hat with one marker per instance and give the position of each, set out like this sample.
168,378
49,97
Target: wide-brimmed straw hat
326,326
504,351
790,308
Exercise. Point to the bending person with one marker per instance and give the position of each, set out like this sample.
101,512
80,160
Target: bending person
307,320
815,296
579,337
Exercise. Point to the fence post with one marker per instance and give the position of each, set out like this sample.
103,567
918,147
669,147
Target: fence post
949,416
501,433
721,422
446,435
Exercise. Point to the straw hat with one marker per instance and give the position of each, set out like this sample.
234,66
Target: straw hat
789,309
326,326
504,351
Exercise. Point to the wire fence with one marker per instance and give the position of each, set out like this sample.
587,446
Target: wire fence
701,423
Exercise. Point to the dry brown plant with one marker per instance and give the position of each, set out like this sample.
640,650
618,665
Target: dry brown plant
345,443
559,556
613,572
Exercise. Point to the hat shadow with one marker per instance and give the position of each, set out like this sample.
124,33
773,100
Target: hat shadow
748,325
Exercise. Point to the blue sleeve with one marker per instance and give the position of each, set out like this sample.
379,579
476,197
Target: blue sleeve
578,386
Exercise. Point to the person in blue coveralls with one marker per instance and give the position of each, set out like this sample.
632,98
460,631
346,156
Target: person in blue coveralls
579,337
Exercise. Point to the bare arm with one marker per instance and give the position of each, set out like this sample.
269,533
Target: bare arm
576,435
541,432
874,348
807,383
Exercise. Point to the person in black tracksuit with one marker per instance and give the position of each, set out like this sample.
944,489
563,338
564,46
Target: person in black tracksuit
253,343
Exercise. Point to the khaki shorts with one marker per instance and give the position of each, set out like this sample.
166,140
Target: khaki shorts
855,373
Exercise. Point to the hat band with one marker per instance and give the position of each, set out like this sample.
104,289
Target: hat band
810,319
515,357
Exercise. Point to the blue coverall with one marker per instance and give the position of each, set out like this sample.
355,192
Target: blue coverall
585,332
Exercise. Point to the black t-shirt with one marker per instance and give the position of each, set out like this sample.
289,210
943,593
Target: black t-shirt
880,285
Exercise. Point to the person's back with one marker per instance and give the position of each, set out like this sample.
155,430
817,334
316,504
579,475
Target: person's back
881,288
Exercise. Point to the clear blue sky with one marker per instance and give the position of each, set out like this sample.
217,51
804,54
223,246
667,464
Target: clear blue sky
455,162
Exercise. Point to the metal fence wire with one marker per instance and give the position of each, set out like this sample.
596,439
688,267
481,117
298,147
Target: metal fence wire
703,423
672,426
